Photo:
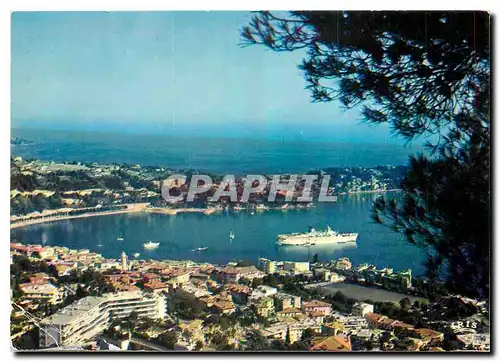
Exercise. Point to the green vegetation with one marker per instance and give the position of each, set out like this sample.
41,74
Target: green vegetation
186,307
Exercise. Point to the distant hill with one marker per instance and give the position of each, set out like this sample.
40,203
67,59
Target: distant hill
17,141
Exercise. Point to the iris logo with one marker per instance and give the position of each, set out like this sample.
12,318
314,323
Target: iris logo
464,326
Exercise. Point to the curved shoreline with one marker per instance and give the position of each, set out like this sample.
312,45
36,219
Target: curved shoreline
130,209
143,207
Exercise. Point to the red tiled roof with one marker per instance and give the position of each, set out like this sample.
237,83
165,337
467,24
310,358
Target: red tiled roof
315,303
373,317
154,284
332,344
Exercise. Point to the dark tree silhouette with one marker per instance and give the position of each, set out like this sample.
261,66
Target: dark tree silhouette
424,74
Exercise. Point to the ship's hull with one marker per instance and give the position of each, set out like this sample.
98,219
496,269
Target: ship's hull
316,240
151,246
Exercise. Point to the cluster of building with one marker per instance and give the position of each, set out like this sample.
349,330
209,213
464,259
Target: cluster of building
151,289
78,198
146,187
342,269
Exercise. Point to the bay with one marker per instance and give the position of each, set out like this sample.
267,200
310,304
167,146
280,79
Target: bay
255,235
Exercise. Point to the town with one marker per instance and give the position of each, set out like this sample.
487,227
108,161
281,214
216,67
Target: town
45,186
64,299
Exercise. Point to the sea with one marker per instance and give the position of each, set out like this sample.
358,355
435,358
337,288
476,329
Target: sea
208,154
255,234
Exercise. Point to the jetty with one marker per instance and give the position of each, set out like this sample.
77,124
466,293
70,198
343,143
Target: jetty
169,211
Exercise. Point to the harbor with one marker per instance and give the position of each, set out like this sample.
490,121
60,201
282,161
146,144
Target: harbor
254,235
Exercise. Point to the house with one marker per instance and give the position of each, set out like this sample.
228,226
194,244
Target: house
290,312
317,306
39,278
223,304
180,276
64,269
373,318
323,274
296,267
41,293
382,322
399,326
317,316
283,332
427,335
362,308
239,292
264,307
150,277
333,329
228,274
263,291
267,266
155,286
199,277
286,301
331,344
276,331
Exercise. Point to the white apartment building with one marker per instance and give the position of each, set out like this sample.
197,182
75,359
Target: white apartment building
361,309
41,293
87,317
267,266
296,267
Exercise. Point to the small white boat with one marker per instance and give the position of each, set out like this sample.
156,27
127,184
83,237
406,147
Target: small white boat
231,235
205,248
119,239
151,245
99,245
136,255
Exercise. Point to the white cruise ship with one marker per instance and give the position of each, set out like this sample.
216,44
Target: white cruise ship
151,245
314,237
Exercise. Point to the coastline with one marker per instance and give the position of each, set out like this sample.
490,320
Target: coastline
131,208
143,207
370,192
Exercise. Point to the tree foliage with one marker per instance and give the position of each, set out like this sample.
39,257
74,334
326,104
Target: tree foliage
424,74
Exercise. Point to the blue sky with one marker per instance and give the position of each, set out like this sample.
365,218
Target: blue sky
164,72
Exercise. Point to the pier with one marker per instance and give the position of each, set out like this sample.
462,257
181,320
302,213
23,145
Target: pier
167,211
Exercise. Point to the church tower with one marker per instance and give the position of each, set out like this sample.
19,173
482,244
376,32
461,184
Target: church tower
124,261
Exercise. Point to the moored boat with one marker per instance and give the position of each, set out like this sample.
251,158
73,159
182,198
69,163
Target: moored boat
205,248
313,237
151,245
